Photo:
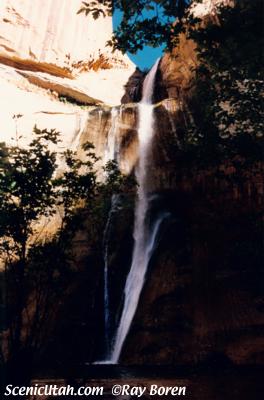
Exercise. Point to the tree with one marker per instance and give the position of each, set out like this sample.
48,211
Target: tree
30,190
229,82
37,269
26,194
30,193
144,22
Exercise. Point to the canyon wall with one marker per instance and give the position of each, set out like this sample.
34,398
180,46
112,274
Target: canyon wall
206,7
203,299
51,32
52,61
203,296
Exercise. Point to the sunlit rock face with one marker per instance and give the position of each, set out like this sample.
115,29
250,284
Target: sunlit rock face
113,131
52,42
200,9
52,61
51,31
177,68
55,67
35,106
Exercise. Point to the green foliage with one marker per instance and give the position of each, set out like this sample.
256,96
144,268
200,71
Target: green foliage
234,39
32,188
225,114
78,183
144,22
96,214
115,181
26,189
96,8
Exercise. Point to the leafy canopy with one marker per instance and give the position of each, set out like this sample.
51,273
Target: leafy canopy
229,82
26,189
32,191
29,188
144,22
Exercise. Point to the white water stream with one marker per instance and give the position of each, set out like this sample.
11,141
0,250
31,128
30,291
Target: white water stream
115,206
110,150
144,240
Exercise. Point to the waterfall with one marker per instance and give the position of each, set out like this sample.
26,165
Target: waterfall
110,150
115,205
81,120
106,286
144,240
110,153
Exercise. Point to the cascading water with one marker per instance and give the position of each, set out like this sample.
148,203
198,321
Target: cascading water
111,153
110,150
81,120
144,239
115,205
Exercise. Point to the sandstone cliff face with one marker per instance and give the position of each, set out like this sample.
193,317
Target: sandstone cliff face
202,301
49,53
114,134
177,71
113,131
205,7
177,68
51,32
55,34
203,297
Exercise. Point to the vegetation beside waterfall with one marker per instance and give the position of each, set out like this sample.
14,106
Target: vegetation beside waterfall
143,22
224,113
42,210
229,86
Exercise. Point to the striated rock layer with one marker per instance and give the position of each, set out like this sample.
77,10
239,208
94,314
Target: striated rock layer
55,66
61,52
51,31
